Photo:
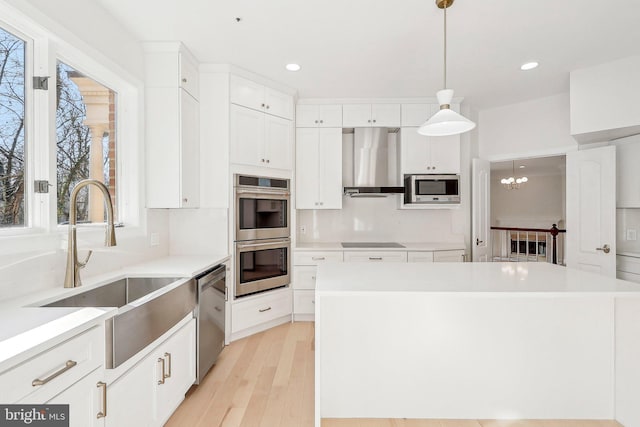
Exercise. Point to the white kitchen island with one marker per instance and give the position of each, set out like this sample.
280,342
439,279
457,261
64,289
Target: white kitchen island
476,340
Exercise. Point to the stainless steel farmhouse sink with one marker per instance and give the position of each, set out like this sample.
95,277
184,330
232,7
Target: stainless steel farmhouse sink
147,308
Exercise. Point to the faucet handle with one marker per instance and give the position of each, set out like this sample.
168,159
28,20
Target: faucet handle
86,260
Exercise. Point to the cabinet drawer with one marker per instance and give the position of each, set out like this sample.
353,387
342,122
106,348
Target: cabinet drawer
86,350
315,258
260,310
448,256
304,277
421,256
304,302
375,256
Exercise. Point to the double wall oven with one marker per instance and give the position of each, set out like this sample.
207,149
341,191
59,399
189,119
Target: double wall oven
262,234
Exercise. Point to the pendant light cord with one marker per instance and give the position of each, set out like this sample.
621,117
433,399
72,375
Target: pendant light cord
445,44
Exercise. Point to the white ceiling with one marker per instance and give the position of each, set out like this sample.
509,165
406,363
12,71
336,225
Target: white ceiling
393,48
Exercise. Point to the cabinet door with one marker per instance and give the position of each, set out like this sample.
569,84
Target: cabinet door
445,154
415,114
628,173
420,256
247,93
330,116
307,116
448,256
356,115
247,136
278,103
330,168
307,168
190,151
188,79
130,398
278,146
179,374
387,115
414,152
84,399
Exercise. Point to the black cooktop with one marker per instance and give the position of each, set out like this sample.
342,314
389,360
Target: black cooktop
371,245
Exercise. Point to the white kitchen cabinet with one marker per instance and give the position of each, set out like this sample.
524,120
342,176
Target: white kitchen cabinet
319,168
371,115
628,173
319,116
375,256
85,400
259,310
172,126
258,139
261,98
428,155
304,303
148,393
449,256
420,256
316,257
305,266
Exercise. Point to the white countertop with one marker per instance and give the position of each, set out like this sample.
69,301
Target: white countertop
416,246
28,328
478,278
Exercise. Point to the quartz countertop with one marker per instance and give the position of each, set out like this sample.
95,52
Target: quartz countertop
28,328
467,278
414,246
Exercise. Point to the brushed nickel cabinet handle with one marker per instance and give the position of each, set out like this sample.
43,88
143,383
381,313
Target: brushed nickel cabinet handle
168,356
317,258
375,258
184,80
313,277
262,105
68,365
162,377
264,309
103,413
267,107
267,160
316,121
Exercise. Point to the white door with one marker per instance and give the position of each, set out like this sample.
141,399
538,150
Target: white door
444,154
307,116
480,211
330,116
385,115
307,168
278,103
356,115
190,151
247,136
591,210
278,144
330,168
414,152
247,93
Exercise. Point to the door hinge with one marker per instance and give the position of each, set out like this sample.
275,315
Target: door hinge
41,83
41,186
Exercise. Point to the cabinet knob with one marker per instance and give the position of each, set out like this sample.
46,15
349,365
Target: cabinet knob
262,160
321,121
184,80
262,105
321,203
316,121
267,107
374,120
267,160
368,121
185,200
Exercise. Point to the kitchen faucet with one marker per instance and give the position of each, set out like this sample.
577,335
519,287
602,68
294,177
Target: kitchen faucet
72,276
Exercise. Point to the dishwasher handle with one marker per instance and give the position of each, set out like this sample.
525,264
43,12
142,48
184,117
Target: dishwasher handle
210,279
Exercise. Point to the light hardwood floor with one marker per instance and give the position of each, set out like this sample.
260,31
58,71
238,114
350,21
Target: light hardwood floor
266,380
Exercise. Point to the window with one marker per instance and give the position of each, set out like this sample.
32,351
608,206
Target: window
85,142
12,130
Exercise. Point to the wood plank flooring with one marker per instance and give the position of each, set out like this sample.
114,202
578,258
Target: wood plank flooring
267,380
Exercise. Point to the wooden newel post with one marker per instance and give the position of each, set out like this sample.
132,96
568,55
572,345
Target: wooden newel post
554,232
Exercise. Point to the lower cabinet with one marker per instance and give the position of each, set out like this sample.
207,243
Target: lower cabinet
148,393
250,314
449,256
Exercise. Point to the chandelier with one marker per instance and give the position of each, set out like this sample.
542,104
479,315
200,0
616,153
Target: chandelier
513,183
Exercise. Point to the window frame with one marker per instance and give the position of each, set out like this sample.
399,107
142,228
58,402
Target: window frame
43,49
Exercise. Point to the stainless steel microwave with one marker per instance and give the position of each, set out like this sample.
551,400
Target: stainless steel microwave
432,189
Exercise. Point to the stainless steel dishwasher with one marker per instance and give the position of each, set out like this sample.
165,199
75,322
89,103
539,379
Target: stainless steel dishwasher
210,315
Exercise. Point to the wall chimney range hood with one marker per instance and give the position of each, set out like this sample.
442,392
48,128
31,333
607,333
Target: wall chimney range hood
370,175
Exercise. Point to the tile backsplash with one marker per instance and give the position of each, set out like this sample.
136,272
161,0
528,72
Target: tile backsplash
628,230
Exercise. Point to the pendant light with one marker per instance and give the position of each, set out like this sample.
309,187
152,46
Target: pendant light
446,121
513,183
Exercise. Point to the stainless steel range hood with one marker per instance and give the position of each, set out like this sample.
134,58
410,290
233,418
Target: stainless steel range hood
371,174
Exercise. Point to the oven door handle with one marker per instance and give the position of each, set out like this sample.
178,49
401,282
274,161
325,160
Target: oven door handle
279,244
275,193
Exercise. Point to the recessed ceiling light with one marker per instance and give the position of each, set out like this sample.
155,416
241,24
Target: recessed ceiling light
529,66
293,67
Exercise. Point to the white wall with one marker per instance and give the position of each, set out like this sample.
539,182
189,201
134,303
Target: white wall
533,128
540,200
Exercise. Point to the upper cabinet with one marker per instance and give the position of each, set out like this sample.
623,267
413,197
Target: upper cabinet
628,173
417,114
604,101
259,139
172,126
370,115
319,168
428,155
323,116
261,98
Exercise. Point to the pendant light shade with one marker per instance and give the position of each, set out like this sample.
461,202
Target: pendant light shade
445,122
